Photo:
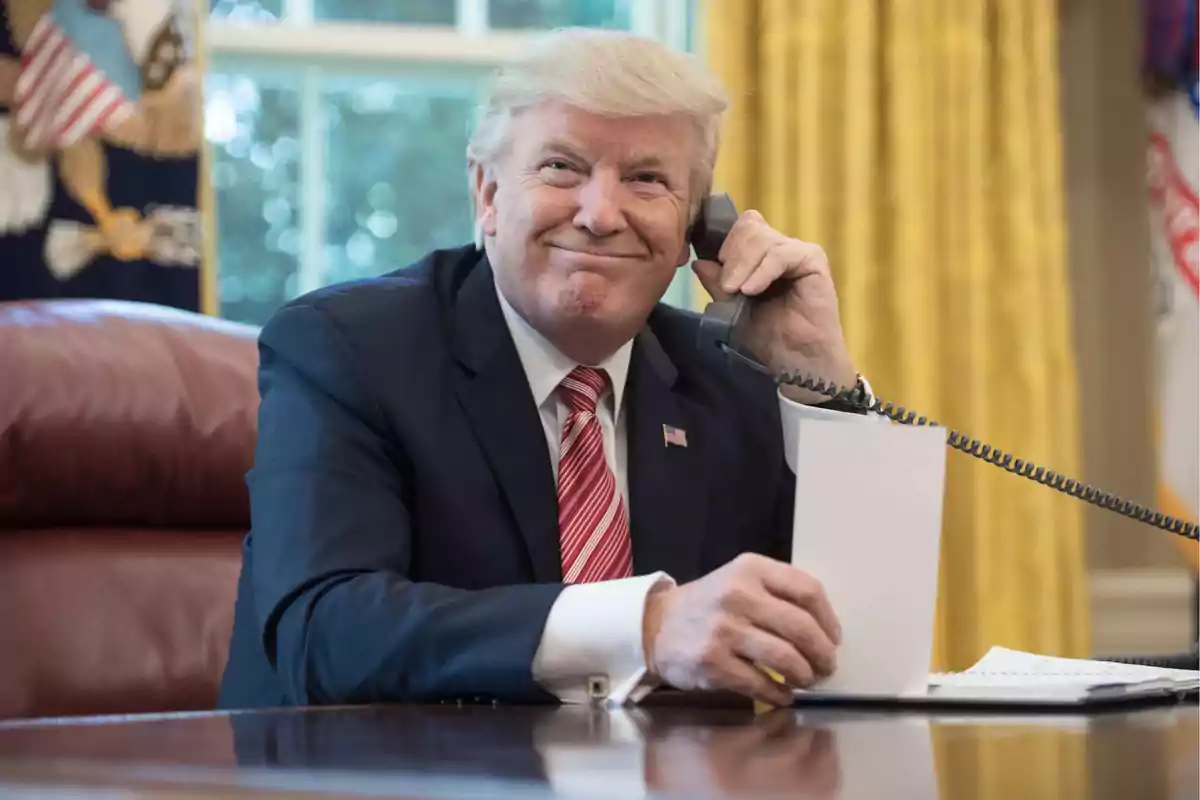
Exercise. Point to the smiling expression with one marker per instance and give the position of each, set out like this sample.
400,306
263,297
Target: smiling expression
585,220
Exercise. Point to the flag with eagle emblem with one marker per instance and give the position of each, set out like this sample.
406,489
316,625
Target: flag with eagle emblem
99,151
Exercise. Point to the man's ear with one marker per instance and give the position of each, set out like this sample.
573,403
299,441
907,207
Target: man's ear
484,185
685,249
685,254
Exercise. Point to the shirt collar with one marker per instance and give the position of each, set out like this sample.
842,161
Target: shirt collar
545,366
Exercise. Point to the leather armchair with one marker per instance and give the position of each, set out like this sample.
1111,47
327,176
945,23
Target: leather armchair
126,430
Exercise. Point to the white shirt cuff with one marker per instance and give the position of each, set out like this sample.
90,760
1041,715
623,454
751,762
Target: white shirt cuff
792,412
591,647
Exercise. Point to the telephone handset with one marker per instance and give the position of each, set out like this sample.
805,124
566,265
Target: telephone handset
719,328
719,325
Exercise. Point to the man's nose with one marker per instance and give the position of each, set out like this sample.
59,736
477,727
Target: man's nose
600,211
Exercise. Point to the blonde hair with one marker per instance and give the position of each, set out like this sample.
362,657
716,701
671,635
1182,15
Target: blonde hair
608,72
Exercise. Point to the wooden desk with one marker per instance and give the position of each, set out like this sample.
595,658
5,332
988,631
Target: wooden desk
668,751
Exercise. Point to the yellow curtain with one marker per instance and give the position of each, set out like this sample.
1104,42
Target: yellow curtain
918,141
206,202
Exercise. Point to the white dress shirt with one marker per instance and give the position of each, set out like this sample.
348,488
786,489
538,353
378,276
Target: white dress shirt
591,647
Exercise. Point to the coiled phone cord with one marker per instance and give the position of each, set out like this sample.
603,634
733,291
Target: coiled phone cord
994,456
714,222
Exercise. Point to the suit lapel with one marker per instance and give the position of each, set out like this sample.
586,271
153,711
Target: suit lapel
495,395
668,482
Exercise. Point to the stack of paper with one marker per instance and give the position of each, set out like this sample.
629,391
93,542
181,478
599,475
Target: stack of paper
1010,675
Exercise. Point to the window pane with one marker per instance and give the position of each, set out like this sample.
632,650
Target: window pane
414,12
246,10
558,13
254,130
397,181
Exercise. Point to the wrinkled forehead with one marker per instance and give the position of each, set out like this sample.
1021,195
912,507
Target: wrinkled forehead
668,141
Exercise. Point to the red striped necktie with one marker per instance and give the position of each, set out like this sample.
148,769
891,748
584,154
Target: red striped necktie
593,524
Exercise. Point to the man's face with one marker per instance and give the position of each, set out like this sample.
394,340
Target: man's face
586,219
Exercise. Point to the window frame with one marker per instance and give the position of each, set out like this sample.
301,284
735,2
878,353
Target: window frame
314,50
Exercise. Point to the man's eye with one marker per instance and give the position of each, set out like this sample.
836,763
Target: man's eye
648,177
557,163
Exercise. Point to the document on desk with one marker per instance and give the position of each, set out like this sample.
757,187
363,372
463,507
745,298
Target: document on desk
1005,676
867,525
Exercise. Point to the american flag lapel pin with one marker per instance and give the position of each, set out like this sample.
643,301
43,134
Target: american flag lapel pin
674,437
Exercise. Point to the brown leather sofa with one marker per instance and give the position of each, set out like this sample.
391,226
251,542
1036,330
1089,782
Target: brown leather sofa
126,431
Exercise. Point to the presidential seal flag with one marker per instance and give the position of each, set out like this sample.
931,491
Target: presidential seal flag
99,157
62,93
1170,62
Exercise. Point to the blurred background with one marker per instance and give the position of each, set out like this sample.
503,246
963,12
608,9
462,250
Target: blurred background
1006,189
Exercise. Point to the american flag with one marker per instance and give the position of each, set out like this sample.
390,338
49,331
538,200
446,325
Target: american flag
673,436
61,94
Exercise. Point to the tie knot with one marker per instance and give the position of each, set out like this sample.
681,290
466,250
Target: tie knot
583,387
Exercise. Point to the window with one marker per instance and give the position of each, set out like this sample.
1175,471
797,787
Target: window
338,129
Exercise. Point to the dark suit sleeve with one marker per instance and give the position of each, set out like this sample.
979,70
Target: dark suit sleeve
332,544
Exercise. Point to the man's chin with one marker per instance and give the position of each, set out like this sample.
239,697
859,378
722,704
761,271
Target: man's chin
597,321
593,306
596,316
586,295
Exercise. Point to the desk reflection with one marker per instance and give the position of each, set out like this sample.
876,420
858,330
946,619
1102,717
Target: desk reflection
673,751
618,753
773,752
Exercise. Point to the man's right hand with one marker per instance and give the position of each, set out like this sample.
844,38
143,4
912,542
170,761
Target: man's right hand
719,632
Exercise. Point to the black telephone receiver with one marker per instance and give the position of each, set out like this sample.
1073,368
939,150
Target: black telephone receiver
719,328
719,325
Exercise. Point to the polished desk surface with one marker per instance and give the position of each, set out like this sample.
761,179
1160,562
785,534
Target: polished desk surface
669,750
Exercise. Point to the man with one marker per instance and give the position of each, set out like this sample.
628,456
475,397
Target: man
508,472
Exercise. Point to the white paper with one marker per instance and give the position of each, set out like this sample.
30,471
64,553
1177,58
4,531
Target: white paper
867,525
1012,667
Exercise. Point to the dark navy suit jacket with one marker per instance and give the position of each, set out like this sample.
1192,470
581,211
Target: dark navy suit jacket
404,539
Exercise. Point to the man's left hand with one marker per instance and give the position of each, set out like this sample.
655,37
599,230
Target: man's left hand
794,323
